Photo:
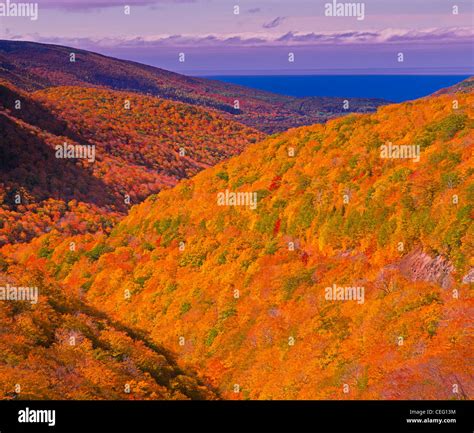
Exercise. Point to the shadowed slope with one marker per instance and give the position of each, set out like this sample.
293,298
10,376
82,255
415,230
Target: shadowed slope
138,151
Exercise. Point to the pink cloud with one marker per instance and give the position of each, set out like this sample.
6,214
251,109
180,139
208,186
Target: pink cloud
100,4
386,36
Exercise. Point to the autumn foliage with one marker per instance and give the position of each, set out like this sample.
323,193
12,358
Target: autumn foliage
142,145
32,66
238,295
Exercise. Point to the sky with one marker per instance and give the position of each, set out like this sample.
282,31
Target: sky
261,36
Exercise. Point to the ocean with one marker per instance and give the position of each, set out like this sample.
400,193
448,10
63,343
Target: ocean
395,88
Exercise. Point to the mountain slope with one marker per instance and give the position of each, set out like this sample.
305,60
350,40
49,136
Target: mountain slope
141,145
61,349
32,66
241,294
465,86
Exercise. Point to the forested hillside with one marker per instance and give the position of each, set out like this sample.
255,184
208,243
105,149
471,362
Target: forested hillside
32,66
61,349
240,292
141,145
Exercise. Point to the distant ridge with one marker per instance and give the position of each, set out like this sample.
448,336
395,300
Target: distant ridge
32,66
465,86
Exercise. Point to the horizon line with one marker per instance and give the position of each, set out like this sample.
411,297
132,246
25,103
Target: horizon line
325,72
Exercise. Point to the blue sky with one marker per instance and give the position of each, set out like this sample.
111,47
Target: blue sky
215,40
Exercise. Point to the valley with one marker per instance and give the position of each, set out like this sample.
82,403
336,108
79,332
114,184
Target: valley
238,294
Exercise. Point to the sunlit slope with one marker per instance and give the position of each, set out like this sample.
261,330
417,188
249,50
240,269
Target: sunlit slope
240,293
